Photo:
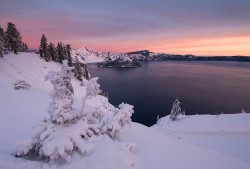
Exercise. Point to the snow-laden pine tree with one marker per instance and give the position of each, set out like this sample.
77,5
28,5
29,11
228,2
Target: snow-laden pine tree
67,131
1,42
60,52
176,110
86,74
120,118
69,58
24,47
13,38
52,52
60,109
81,70
78,70
64,52
43,49
92,89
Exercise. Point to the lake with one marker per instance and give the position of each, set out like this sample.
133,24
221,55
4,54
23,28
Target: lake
201,87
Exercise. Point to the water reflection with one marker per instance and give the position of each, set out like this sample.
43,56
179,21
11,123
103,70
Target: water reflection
202,87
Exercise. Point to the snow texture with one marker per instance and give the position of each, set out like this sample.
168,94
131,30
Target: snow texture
66,131
60,109
86,55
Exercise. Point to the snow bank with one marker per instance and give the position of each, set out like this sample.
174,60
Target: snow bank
207,123
227,134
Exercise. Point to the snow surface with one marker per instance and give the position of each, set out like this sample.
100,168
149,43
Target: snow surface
199,141
86,55
227,134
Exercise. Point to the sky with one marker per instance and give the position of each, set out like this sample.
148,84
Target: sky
199,27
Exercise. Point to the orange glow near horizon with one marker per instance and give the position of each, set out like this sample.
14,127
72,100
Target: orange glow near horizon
207,46
200,28
226,46
211,46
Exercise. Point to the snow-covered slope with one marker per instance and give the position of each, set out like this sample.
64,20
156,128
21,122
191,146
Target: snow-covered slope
86,55
190,142
227,134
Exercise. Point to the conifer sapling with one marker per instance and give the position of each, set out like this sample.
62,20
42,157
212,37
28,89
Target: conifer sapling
176,110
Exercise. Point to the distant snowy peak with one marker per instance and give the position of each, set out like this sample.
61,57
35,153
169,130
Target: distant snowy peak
86,55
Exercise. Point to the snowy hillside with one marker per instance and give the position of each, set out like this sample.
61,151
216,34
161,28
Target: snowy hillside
86,55
227,134
200,141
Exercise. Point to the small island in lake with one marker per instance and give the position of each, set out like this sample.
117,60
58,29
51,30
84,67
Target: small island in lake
124,62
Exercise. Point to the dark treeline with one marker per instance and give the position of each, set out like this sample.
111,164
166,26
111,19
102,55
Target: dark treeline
50,52
11,40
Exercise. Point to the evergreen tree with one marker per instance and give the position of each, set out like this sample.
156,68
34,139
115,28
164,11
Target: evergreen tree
13,38
62,95
1,42
60,52
81,70
43,49
86,74
64,52
92,89
66,131
52,52
176,110
24,47
68,50
78,70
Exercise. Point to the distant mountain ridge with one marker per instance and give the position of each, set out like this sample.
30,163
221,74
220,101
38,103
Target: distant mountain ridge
91,56
86,55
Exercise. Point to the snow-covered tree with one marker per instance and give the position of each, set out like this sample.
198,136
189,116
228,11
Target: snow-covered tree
66,132
64,51
52,52
92,89
1,42
60,109
69,58
243,111
60,52
176,110
13,38
43,49
24,47
81,70
78,70
121,117
86,74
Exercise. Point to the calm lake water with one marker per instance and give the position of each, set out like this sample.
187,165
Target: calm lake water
202,87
